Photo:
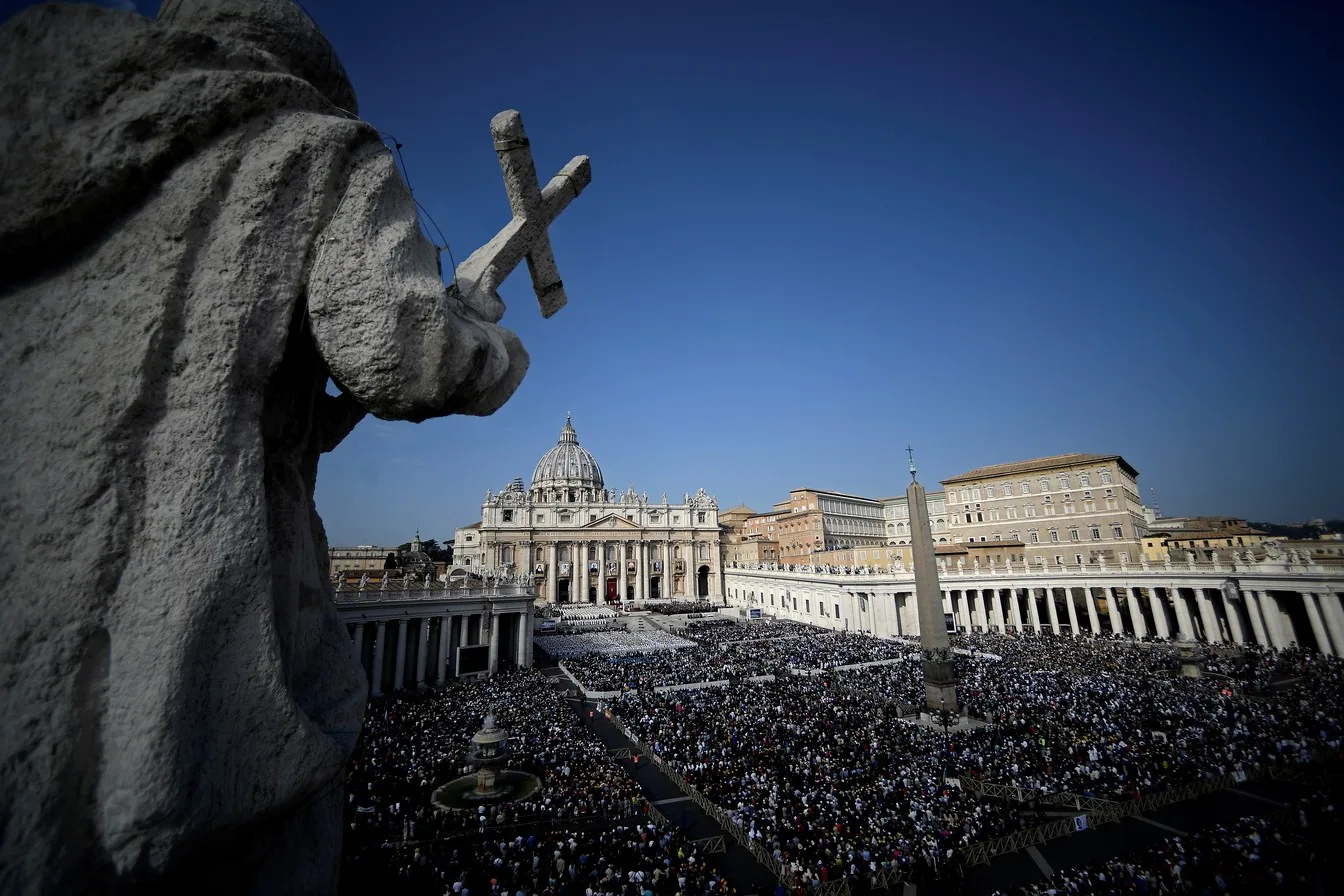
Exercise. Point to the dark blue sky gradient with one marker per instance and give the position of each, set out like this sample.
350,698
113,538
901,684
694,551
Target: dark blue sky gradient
815,234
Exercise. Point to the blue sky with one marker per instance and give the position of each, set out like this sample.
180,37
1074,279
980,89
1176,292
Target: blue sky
819,232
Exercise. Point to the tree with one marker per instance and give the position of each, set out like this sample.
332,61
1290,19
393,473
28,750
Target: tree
390,562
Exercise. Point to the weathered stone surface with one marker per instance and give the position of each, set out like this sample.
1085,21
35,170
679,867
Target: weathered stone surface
195,233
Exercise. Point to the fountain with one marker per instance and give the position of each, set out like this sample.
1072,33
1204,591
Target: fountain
490,783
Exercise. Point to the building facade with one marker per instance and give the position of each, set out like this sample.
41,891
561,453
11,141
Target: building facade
896,522
1199,535
584,543
814,521
1068,509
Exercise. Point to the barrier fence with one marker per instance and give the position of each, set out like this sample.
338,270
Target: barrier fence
1107,812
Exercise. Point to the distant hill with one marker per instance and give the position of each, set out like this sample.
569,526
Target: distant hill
1313,529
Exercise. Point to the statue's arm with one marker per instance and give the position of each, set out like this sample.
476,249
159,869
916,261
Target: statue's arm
393,336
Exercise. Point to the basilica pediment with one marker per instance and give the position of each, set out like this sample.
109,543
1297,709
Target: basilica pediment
613,521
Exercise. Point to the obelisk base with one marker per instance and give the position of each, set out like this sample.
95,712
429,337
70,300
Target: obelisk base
940,686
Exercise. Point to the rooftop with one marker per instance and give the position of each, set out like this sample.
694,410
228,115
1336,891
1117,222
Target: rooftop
1040,464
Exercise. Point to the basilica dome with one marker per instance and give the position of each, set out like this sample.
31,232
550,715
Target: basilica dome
567,465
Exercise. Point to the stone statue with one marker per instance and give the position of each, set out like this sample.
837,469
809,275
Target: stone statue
363,581
197,236
386,578
664,497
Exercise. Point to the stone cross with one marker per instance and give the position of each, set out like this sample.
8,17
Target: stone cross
526,236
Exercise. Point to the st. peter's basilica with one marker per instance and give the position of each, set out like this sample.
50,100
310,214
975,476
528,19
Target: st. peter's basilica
583,542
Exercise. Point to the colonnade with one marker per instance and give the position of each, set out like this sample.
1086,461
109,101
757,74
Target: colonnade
1272,613
406,651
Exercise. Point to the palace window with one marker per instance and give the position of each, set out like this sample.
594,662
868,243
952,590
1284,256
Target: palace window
975,493
1096,533
1014,535
1084,480
1117,532
1054,536
1033,536
1007,489
1026,487
1105,477
1063,480
989,491
508,516
1073,535
1031,510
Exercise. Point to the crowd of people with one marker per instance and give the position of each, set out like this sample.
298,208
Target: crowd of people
585,828
610,643
830,776
1256,856
813,751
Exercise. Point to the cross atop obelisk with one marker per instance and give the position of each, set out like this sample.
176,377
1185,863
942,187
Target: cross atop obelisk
534,209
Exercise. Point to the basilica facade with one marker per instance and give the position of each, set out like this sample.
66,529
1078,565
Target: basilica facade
582,542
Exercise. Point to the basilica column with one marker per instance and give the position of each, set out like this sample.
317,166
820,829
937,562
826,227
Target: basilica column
552,554
1257,621
582,571
621,577
1233,619
423,653
642,589
399,673
1159,615
1317,628
376,684
524,658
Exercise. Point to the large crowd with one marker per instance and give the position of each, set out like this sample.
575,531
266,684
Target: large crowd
584,829
1255,856
830,776
813,751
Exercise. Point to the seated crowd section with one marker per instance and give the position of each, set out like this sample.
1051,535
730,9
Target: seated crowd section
585,829
824,767
808,743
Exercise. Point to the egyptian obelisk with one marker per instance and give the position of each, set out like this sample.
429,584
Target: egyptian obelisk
940,686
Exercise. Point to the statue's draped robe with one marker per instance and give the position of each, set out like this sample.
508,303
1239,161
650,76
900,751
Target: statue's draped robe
192,241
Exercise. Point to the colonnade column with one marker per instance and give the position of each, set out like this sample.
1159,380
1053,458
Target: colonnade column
1014,611
423,654
1091,603
492,634
1033,611
1317,629
399,671
1051,609
1334,619
1252,602
1073,611
1213,633
376,685
1136,613
1233,619
445,632
1113,611
1182,613
359,642
1159,615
